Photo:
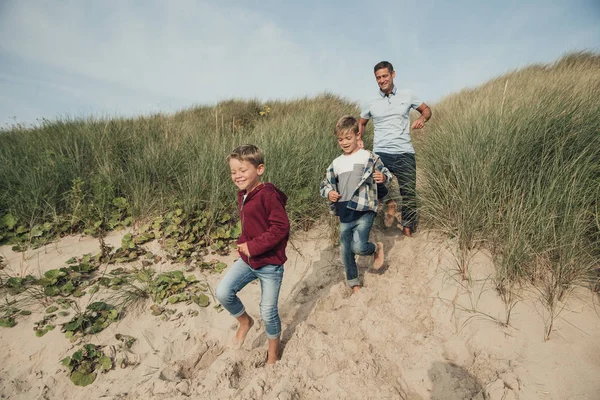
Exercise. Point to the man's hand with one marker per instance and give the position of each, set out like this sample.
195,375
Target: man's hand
333,196
361,144
419,123
379,177
243,249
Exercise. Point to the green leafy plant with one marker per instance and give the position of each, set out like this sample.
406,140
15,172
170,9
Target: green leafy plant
67,281
44,325
18,285
96,318
7,322
83,364
10,313
129,250
175,287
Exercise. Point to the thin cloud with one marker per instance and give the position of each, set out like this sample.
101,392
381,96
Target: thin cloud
122,57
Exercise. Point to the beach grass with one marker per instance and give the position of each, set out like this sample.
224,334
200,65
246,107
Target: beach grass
512,166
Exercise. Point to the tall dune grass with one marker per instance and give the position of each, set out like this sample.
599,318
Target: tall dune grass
514,166
162,162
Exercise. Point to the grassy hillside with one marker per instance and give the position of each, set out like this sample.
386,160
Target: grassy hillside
514,166
80,174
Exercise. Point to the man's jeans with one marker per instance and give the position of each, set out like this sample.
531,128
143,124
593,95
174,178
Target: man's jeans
354,239
404,168
239,275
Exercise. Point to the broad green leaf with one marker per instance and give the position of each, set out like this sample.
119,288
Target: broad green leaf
202,300
78,355
51,309
53,274
7,322
105,363
9,221
36,231
220,266
51,291
80,379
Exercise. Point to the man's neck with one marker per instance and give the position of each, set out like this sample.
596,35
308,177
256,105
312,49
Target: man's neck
390,91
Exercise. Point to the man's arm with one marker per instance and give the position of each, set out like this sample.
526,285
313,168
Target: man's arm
425,115
362,125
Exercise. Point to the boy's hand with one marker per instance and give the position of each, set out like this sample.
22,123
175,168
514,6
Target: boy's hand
243,249
379,177
333,196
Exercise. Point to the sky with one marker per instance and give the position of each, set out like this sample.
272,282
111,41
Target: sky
82,58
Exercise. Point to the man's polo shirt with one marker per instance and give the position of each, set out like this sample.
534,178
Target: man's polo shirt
391,120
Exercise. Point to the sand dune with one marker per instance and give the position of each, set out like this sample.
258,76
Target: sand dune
413,332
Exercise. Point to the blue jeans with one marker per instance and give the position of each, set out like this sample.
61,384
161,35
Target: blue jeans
237,277
404,168
354,239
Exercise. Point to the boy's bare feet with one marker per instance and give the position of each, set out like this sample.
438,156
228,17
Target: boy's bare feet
390,214
378,256
406,230
273,351
246,323
355,289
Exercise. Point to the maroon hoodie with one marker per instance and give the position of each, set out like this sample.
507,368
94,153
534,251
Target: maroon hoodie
265,225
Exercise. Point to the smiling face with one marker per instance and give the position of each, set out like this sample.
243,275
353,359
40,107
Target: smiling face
385,80
348,141
245,175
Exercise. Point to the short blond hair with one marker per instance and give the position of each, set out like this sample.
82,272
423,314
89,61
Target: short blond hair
248,152
346,124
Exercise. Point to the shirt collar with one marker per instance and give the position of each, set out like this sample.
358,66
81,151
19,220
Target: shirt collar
393,93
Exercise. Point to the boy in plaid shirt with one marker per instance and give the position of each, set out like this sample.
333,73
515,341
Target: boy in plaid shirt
351,187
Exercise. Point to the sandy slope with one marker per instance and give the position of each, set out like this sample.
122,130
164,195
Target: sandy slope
412,332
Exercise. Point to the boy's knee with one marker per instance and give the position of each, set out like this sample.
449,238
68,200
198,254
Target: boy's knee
222,294
269,312
360,248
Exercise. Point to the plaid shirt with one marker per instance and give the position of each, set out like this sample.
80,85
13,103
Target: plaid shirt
365,195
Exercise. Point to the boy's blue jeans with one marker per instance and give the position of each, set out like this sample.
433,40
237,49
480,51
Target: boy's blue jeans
404,167
354,239
239,275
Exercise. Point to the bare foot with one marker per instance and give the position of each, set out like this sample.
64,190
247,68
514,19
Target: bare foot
407,231
355,289
246,323
390,214
273,352
378,256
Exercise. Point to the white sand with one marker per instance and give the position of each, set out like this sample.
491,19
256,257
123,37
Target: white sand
412,332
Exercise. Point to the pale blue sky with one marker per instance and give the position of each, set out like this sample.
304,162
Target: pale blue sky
76,58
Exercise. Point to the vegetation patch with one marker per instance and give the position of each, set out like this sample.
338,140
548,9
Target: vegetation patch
83,364
70,280
44,325
96,318
18,285
10,313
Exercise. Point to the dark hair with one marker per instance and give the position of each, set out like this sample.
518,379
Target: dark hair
345,124
248,152
384,64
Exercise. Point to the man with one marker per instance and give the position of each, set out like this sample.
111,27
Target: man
391,142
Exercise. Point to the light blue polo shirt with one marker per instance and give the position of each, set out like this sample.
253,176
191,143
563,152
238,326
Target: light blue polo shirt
391,120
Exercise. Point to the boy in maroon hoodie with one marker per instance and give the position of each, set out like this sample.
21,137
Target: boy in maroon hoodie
261,246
